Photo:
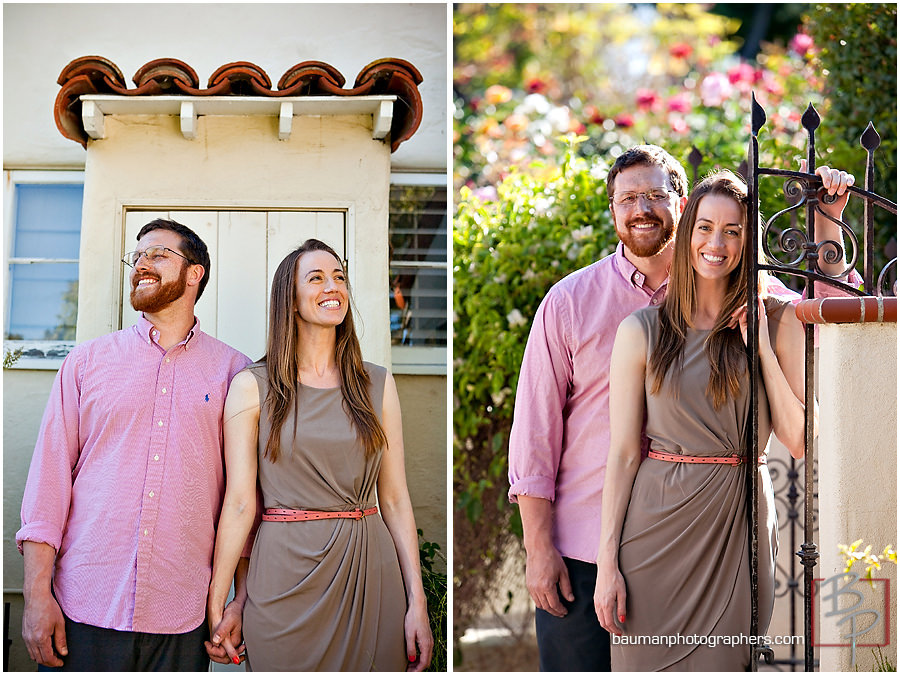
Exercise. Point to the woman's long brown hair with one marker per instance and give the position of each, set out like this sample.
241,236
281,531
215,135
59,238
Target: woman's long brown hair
724,346
283,360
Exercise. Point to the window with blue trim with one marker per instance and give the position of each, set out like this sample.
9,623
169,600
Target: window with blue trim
42,284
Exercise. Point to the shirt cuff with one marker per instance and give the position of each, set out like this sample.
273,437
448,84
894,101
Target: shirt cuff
41,533
533,486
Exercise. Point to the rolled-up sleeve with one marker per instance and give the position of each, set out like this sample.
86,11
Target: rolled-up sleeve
536,439
48,490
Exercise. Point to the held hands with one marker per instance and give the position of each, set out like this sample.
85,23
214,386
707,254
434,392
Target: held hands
226,644
835,182
418,632
609,598
544,571
43,628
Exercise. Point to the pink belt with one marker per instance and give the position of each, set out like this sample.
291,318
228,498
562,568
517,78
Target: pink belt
733,460
288,515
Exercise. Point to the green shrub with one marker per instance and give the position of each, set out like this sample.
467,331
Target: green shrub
858,58
435,584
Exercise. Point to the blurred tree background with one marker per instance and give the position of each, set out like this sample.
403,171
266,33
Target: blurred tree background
545,97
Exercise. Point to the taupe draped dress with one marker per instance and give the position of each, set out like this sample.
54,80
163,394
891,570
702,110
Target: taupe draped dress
323,595
684,551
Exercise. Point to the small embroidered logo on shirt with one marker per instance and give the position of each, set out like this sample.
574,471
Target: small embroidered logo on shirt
207,398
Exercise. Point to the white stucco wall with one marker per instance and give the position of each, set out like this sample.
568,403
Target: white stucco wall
857,478
40,39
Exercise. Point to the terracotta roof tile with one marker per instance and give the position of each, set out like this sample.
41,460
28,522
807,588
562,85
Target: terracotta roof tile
97,75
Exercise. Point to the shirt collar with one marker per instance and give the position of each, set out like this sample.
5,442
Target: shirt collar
628,271
150,335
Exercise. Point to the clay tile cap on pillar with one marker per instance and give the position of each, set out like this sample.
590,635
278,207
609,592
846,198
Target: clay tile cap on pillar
308,74
164,76
242,78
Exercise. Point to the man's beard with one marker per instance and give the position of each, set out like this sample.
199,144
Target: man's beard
640,244
163,295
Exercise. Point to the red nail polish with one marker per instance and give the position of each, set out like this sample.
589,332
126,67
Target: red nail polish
412,658
622,618
236,660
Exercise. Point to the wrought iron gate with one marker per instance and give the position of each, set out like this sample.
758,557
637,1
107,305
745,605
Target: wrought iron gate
802,192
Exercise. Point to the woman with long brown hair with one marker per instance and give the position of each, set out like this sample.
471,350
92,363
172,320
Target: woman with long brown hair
674,540
334,581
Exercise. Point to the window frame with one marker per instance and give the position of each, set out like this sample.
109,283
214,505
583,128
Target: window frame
407,360
13,178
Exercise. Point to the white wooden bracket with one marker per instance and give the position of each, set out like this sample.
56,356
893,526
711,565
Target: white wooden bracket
285,120
381,120
188,120
92,119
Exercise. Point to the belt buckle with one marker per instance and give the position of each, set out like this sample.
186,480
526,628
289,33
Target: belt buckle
356,513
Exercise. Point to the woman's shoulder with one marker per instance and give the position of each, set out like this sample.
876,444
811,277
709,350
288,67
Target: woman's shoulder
257,368
646,317
377,374
777,308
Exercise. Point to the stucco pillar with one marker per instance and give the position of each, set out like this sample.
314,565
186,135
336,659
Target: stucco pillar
857,487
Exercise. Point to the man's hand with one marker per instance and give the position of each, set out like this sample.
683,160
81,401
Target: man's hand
226,644
43,628
546,577
835,182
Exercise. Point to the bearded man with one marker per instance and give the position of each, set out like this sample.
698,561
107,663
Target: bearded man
126,481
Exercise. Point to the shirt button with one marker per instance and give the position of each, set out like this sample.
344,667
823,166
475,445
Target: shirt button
146,533
160,423
164,390
168,359
151,493
155,458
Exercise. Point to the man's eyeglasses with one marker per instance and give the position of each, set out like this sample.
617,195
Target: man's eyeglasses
154,254
654,196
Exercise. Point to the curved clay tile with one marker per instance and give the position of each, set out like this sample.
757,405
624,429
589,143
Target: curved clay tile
400,78
95,68
245,78
389,65
97,75
164,76
304,73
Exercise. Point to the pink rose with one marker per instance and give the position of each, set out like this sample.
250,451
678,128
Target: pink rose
679,103
715,89
801,43
646,99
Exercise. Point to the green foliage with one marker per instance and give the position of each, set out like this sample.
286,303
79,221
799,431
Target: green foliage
882,663
857,56
435,582
507,254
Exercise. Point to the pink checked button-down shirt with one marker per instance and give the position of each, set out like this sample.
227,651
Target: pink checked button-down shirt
559,442
127,478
